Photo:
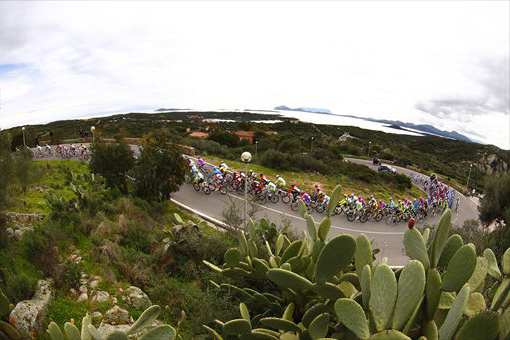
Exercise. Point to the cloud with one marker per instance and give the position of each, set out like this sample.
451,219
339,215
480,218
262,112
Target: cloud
90,58
493,80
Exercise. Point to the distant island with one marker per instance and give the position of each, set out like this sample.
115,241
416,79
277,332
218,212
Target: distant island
425,129
303,109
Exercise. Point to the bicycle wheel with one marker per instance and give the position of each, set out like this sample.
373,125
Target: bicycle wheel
262,198
309,209
351,216
196,186
285,198
223,189
294,206
378,217
389,220
274,198
206,190
338,210
363,218
320,208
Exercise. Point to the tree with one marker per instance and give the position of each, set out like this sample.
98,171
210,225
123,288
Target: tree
23,168
224,138
496,201
160,169
113,161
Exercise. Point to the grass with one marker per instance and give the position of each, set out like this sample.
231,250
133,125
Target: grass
48,175
306,181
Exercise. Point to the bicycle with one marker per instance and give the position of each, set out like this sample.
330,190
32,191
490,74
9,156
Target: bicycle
202,186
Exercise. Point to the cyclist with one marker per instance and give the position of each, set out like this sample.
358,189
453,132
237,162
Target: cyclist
271,187
48,149
306,198
416,206
382,205
264,179
223,168
198,178
201,162
294,190
358,204
457,204
391,203
280,182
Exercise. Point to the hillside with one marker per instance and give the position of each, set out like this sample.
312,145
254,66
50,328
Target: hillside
448,158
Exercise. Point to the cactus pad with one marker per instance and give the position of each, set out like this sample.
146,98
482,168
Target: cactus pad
493,269
366,280
454,315
475,304
232,257
319,326
505,262
236,327
460,268
280,324
311,227
352,316
383,296
432,293
145,320
335,197
160,332
482,326
312,313
441,237
291,251
389,335
415,247
479,274
411,284
363,254
287,279
324,228
334,257
328,291
453,244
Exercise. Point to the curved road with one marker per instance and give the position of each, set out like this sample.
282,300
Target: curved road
388,238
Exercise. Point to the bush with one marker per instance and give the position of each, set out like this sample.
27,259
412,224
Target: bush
290,145
224,138
70,275
275,159
160,168
41,250
112,161
308,163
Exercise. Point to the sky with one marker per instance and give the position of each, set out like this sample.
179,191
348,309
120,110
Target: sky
434,62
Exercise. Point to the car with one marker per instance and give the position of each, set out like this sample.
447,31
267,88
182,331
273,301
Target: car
386,168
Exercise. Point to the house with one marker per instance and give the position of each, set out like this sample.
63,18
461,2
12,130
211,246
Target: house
199,134
246,135
345,137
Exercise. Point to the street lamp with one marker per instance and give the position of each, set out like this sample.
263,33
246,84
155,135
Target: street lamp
256,142
311,146
469,175
246,158
24,143
92,129
369,143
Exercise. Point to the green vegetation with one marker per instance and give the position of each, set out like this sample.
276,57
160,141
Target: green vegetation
160,167
306,180
113,161
446,157
317,288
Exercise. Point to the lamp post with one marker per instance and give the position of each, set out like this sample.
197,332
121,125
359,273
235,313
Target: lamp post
311,146
24,143
92,129
256,142
369,144
469,175
246,158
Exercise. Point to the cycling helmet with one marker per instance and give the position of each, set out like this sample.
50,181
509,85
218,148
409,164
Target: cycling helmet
277,176
316,185
292,183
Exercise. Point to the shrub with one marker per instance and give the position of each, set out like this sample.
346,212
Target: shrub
160,168
307,163
23,166
275,159
41,249
112,161
69,276
290,145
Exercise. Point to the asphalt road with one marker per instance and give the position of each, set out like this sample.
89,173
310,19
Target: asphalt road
388,238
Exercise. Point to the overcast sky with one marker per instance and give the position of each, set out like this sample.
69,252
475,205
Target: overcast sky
442,63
